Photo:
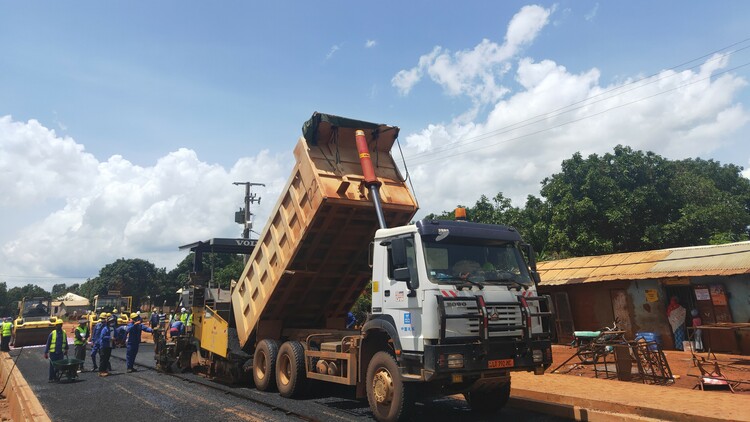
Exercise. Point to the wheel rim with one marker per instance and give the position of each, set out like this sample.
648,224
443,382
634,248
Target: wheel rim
382,387
260,368
285,369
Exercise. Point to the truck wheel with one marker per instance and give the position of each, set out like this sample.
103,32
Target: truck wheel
264,364
290,369
488,401
389,397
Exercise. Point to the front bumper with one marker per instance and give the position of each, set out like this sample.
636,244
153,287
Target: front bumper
481,358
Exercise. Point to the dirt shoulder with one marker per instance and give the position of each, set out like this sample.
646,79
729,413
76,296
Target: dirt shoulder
733,367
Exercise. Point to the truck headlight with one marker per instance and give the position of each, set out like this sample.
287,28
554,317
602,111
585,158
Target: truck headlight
537,356
455,360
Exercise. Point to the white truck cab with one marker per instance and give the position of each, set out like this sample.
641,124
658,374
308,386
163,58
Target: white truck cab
459,301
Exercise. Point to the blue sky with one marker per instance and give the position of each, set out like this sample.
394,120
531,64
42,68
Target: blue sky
136,108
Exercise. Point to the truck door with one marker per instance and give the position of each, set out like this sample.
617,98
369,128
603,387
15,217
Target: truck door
401,302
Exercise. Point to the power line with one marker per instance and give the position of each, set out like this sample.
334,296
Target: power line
45,277
582,118
583,103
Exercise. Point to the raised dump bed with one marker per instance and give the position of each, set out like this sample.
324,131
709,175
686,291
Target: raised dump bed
311,264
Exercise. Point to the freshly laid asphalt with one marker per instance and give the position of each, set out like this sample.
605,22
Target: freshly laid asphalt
150,395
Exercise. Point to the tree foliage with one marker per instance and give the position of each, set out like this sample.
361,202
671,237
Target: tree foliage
626,201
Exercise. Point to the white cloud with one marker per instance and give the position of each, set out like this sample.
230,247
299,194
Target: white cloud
370,43
526,136
332,51
477,72
114,209
592,13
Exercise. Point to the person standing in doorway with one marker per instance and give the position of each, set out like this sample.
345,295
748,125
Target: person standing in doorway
676,314
697,332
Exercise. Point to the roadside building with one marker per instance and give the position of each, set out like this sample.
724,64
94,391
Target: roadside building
69,304
590,292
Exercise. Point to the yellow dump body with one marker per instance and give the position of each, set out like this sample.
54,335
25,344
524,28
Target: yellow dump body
310,263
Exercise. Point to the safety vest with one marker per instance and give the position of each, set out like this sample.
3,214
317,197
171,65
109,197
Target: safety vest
80,331
7,326
53,342
184,317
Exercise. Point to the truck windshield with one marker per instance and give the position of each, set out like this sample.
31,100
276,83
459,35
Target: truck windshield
457,260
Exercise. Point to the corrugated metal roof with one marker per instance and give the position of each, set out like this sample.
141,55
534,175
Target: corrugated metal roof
729,259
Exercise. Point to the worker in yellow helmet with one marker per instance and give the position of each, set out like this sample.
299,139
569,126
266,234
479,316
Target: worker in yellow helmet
56,348
95,338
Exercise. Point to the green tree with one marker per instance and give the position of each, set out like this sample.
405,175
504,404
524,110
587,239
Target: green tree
630,201
16,294
5,308
626,201
132,277
59,290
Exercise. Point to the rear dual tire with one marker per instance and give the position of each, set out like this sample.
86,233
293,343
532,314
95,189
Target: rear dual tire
264,364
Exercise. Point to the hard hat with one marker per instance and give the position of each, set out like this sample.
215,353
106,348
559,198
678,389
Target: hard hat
114,310
111,319
108,315
183,310
103,315
156,310
59,322
133,315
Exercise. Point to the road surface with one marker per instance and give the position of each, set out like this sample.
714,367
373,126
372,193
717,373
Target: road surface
148,395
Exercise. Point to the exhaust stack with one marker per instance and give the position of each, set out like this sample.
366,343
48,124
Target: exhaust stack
369,172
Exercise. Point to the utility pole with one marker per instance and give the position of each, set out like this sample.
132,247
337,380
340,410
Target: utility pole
243,216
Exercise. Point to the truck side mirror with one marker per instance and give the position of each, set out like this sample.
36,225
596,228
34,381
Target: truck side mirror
402,270
529,250
398,252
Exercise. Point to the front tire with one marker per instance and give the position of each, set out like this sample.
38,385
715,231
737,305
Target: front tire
488,402
264,364
290,369
387,393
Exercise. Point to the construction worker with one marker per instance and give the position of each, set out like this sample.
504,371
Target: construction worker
56,348
184,316
176,328
105,346
95,338
162,319
7,332
134,330
80,337
154,320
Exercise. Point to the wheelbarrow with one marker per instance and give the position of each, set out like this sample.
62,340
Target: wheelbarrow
67,368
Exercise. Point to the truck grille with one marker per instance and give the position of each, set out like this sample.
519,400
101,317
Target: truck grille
462,319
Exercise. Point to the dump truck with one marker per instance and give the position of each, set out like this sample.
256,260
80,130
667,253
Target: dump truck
34,322
454,303
111,303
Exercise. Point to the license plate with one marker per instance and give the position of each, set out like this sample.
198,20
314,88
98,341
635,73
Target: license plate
500,363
